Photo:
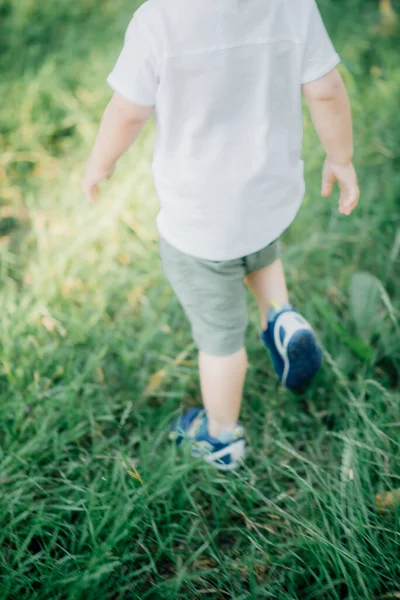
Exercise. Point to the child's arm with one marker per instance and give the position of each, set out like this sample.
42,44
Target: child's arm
120,126
331,114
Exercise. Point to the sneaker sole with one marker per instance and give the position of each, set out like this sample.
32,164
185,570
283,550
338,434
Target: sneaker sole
305,360
237,452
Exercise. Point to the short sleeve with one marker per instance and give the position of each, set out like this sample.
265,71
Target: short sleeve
135,74
320,56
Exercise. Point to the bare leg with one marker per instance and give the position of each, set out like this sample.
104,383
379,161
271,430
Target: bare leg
222,377
268,286
222,380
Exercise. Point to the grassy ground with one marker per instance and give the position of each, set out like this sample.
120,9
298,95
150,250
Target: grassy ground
96,357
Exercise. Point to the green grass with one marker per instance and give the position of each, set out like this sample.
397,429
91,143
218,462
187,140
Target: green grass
94,502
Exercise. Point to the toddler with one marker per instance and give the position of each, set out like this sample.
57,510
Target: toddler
224,79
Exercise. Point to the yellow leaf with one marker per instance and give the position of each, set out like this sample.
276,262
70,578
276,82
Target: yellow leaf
70,284
387,12
53,325
49,323
135,295
100,375
389,499
135,475
182,356
59,371
124,259
5,240
11,194
28,279
131,469
6,368
388,17
376,71
155,381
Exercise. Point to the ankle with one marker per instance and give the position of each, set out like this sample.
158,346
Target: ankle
274,308
217,428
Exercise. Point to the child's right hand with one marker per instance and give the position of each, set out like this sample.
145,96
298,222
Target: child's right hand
91,180
346,177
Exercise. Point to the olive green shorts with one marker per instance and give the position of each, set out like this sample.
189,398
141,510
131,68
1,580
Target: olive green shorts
213,294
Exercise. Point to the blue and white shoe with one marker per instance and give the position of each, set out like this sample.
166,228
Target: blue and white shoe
293,346
225,452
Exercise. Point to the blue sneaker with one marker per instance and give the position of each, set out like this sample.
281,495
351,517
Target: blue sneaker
293,346
225,452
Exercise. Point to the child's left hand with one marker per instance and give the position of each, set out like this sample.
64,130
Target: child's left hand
121,124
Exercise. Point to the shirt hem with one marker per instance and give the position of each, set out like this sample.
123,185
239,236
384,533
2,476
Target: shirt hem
163,233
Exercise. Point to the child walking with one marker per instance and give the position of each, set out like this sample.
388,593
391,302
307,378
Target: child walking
224,79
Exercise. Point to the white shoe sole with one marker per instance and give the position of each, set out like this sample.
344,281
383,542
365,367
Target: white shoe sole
292,323
237,451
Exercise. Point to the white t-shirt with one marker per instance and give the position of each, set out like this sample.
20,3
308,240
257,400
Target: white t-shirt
225,79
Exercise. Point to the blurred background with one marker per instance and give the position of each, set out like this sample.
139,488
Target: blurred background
96,356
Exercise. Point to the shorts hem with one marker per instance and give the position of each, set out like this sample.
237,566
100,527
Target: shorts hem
227,350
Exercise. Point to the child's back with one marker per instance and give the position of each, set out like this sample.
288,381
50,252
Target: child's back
225,77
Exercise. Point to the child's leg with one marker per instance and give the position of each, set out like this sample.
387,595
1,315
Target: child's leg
289,338
222,380
213,296
268,286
